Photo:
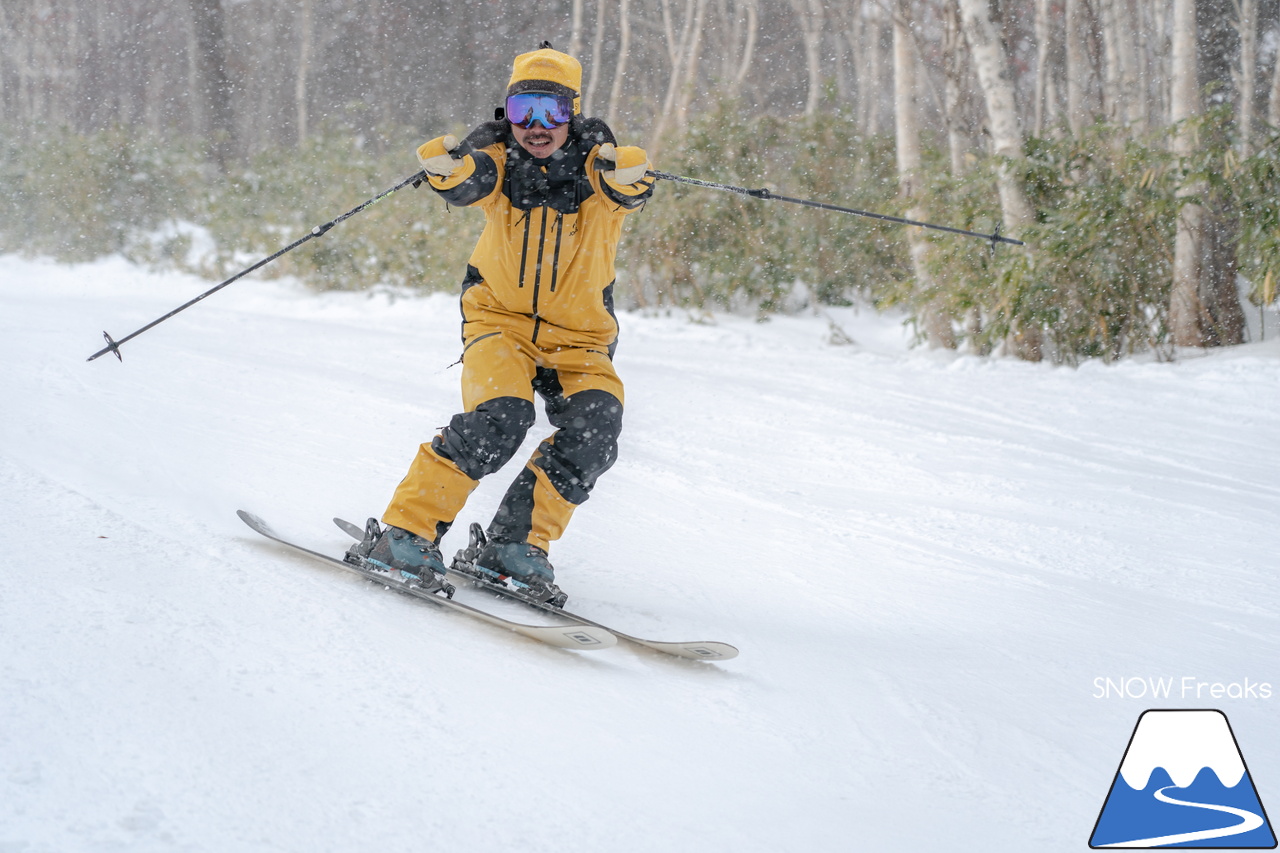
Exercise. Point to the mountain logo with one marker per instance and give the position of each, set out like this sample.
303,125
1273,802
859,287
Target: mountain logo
1183,783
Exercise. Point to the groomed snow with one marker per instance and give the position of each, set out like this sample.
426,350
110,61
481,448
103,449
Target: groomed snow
926,560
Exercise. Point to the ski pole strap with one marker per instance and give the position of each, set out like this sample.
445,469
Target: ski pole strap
113,346
994,237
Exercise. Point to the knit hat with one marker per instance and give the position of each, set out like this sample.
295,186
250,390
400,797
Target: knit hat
547,70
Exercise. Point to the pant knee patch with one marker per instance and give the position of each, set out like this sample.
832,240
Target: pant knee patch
481,441
584,446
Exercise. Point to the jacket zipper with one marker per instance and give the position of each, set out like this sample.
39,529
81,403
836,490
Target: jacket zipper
555,257
524,249
537,275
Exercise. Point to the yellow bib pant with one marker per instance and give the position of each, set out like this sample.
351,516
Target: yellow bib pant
537,321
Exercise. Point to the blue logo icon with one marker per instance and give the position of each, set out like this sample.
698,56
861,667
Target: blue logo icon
1183,783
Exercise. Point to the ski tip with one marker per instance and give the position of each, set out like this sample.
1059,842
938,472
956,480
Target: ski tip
355,531
722,651
256,523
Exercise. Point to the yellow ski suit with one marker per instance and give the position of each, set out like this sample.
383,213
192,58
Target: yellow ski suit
537,307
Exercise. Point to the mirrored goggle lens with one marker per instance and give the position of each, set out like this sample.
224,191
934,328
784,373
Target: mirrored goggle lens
548,110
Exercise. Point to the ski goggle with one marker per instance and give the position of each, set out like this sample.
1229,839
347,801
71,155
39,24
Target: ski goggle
550,111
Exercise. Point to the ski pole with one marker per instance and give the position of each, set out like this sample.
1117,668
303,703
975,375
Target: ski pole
113,346
994,237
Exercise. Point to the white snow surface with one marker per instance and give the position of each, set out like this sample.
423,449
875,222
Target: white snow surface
926,559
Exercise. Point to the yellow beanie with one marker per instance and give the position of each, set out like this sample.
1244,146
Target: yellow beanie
546,70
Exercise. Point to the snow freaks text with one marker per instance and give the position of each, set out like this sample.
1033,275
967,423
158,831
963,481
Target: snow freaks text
1186,687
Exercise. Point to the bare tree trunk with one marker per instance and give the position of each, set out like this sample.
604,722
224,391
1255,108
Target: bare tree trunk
836,35
196,118
906,118
1120,72
991,62
70,77
1185,307
1044,73
853,44
870,80
1130,91
1273,106
306,37
954,89
597,45
1247,24
690,74
1077,65
20,40
809,17
992,65
682,46
937,326
1114,103
7,50
620,67
738,77
215,86
1224,324
575,27
1162,25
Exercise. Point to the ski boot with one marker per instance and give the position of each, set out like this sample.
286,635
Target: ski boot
519,567
415,560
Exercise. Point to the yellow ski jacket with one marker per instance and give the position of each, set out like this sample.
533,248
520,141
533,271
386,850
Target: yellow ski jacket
546,256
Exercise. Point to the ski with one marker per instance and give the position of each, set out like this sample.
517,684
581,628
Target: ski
461,569
579,637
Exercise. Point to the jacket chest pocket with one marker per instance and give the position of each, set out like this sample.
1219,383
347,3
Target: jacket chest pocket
548,241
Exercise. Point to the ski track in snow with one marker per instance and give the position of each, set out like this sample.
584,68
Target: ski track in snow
926,559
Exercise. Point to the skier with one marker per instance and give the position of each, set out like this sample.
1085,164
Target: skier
537,307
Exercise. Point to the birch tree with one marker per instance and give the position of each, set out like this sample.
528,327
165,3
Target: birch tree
575,27
689,77
937,326
306,39
1204,309
1185,307
684,46
735,64
1044,69
620,67
1273,105
597,47
214,84
1120,74
955,90
810,20
872,72
991,63
1077,64
1247,75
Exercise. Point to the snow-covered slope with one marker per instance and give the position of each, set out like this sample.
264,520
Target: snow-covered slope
929,561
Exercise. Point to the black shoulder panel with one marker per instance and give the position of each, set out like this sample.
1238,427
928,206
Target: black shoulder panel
476,187
485,135
592,131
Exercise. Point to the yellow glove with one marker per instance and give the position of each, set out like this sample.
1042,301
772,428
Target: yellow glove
436,157
629,163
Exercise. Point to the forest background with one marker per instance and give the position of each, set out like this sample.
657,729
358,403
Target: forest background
1133,144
